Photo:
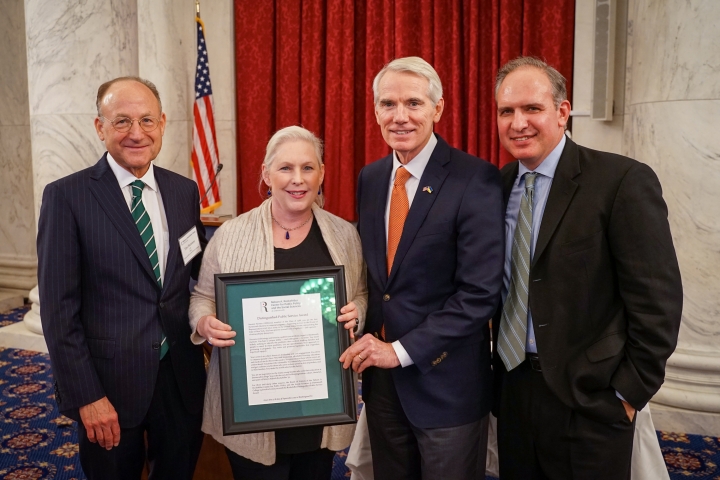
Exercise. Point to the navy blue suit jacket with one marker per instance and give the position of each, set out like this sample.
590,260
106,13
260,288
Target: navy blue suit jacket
103,314
444,285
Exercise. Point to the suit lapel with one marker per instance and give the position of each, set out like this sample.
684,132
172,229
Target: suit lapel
380,197
107,192
509,175
169,198
433,176
561,192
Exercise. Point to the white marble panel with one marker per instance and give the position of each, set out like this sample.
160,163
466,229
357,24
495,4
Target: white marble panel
17,218
13,74
166,52
218,16
678,140
675,50
73,47
583,56
228,176
61,145
599,135
175,152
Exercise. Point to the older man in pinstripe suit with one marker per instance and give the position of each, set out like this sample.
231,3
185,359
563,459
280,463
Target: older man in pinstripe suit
113,284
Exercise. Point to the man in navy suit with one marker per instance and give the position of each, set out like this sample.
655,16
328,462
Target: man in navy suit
113,280
431,225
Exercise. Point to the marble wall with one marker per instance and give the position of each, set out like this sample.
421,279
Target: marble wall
218,17
667,118
72,48
672,110
598,134
167,56
18,261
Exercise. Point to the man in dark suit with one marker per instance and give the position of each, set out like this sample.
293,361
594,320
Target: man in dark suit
430,221
593,292
113,279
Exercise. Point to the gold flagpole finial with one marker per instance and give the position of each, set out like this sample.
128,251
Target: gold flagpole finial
197,8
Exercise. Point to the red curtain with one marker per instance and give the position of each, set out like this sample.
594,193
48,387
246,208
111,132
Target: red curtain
312,62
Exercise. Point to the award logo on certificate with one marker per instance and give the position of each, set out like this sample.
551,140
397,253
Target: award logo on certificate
283,370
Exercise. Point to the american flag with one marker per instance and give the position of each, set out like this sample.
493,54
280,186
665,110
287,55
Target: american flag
205,158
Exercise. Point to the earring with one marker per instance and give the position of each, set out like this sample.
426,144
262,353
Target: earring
269,193
320,191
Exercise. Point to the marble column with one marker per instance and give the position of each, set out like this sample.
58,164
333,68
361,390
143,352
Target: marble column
72,48
18,261
218,16
167,57
671,116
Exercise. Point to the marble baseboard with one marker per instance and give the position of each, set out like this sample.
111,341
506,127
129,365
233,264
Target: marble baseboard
10,299
18,336
691,381
671,419
18,272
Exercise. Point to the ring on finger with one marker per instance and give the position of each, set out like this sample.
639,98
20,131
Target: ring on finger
210,339
357,326
362,359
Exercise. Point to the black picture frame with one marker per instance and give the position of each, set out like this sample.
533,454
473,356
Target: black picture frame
238,416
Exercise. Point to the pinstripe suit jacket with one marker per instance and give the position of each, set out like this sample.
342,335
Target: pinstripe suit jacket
103,314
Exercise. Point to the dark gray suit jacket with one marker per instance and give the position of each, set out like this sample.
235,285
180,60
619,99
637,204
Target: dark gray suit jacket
103,314
605,289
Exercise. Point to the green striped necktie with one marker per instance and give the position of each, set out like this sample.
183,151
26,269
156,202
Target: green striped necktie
144,226
513,325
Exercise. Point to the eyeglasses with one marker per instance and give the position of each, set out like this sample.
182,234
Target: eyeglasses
124,124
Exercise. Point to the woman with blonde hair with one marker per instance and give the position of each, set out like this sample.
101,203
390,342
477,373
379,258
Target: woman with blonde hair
288,230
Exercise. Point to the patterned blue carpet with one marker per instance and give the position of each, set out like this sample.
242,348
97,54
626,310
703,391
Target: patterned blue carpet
37,443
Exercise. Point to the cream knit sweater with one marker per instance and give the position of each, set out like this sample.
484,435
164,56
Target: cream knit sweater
245,244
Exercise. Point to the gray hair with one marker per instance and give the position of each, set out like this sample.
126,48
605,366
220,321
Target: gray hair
557,81
102,91
291,134
416,66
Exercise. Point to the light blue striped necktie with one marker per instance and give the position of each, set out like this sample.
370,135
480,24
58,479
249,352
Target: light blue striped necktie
513,325
144,226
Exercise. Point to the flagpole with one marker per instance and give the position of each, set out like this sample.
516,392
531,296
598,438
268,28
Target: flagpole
197,8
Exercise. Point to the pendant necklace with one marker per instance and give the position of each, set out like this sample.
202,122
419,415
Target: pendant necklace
288,230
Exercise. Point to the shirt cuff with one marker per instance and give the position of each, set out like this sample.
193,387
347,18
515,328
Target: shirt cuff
617,394
405,360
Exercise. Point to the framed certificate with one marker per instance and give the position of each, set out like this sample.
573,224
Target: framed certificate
283,370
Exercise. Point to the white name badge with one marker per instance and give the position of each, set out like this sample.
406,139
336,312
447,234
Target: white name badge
190,245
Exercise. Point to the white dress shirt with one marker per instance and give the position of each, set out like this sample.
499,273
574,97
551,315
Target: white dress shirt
152,200
416,167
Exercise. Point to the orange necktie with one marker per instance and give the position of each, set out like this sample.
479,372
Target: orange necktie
399,207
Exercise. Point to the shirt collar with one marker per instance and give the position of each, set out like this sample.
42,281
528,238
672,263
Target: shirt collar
125,178
548,166
417,165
